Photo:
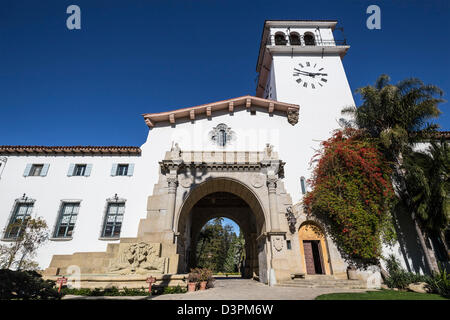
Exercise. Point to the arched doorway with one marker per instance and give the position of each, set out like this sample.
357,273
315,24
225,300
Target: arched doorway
313,249
222,197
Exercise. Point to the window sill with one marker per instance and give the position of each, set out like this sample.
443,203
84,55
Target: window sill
109,238
9,239
61,239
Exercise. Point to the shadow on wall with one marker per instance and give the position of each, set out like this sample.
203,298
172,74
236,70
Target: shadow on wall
409,241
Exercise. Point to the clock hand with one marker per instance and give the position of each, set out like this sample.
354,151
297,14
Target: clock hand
304,72
300,71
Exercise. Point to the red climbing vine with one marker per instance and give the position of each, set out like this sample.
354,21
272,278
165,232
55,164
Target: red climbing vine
352,192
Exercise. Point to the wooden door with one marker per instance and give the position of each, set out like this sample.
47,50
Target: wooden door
309,257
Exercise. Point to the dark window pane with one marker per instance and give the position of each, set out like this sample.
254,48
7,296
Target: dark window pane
36,170
122,169
79,170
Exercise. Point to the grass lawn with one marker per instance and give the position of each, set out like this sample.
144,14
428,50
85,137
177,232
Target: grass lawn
381,295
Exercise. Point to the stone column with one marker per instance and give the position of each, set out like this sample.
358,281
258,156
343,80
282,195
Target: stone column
172,181
272,187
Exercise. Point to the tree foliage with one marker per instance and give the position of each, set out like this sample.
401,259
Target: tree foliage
398,116
20,252
219,248
427,181
352,193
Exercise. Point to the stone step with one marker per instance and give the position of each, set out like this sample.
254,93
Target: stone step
324,283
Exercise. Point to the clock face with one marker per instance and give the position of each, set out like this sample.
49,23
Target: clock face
310,75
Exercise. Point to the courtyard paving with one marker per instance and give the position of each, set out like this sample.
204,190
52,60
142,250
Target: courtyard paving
235,289
247,289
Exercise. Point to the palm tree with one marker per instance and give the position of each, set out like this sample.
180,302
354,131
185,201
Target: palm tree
427,182
398,116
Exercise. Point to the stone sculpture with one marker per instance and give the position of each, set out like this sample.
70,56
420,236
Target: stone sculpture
138,258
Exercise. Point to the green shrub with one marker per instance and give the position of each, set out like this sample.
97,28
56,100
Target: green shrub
25,285
114,291
171,290
440,283
400,278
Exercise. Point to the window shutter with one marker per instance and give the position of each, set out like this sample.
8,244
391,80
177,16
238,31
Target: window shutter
44,169
87,172
26,173
71,168
114,169
130,169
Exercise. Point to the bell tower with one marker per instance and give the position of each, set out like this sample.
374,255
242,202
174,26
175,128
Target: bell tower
300,62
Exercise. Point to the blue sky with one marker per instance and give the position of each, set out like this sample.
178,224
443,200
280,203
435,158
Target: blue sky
90,86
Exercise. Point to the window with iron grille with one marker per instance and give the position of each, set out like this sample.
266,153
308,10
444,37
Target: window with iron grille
16,225
122,170
79,170
66,220
113,220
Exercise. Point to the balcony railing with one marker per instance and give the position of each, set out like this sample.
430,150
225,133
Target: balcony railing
302,43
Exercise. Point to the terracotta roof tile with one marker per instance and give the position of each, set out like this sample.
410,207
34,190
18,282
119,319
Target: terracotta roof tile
70,150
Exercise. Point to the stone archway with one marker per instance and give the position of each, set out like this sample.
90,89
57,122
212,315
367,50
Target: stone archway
221,197
254,177
313,249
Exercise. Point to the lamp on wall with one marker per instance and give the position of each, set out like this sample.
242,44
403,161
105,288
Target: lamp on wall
291,219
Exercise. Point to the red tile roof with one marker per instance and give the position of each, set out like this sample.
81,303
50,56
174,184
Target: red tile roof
209,109
126,150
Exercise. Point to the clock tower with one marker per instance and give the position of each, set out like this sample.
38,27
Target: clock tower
300,62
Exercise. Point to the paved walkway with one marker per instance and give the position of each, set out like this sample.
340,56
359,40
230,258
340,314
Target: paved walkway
245,289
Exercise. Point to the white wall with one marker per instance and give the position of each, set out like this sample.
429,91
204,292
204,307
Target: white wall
93,191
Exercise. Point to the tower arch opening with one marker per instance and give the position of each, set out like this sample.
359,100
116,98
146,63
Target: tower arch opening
280,39
309,39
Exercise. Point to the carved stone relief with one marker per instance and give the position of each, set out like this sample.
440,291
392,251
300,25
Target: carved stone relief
292,115
138,258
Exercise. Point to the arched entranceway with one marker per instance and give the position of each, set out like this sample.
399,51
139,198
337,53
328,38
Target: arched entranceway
221,197
313,249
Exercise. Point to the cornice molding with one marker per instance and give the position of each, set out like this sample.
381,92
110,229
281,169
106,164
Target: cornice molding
208,110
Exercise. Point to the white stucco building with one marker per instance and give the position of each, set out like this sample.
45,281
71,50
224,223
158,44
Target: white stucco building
103,199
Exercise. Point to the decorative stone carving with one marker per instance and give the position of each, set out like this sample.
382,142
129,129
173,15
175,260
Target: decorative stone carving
186,181
278,243
257,180
272,183
175,152
268,151
138,258
172,181
221,135
292,115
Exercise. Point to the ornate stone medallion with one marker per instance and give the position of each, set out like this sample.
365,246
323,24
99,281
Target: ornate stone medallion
185,181
221,135
278,243
258,180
